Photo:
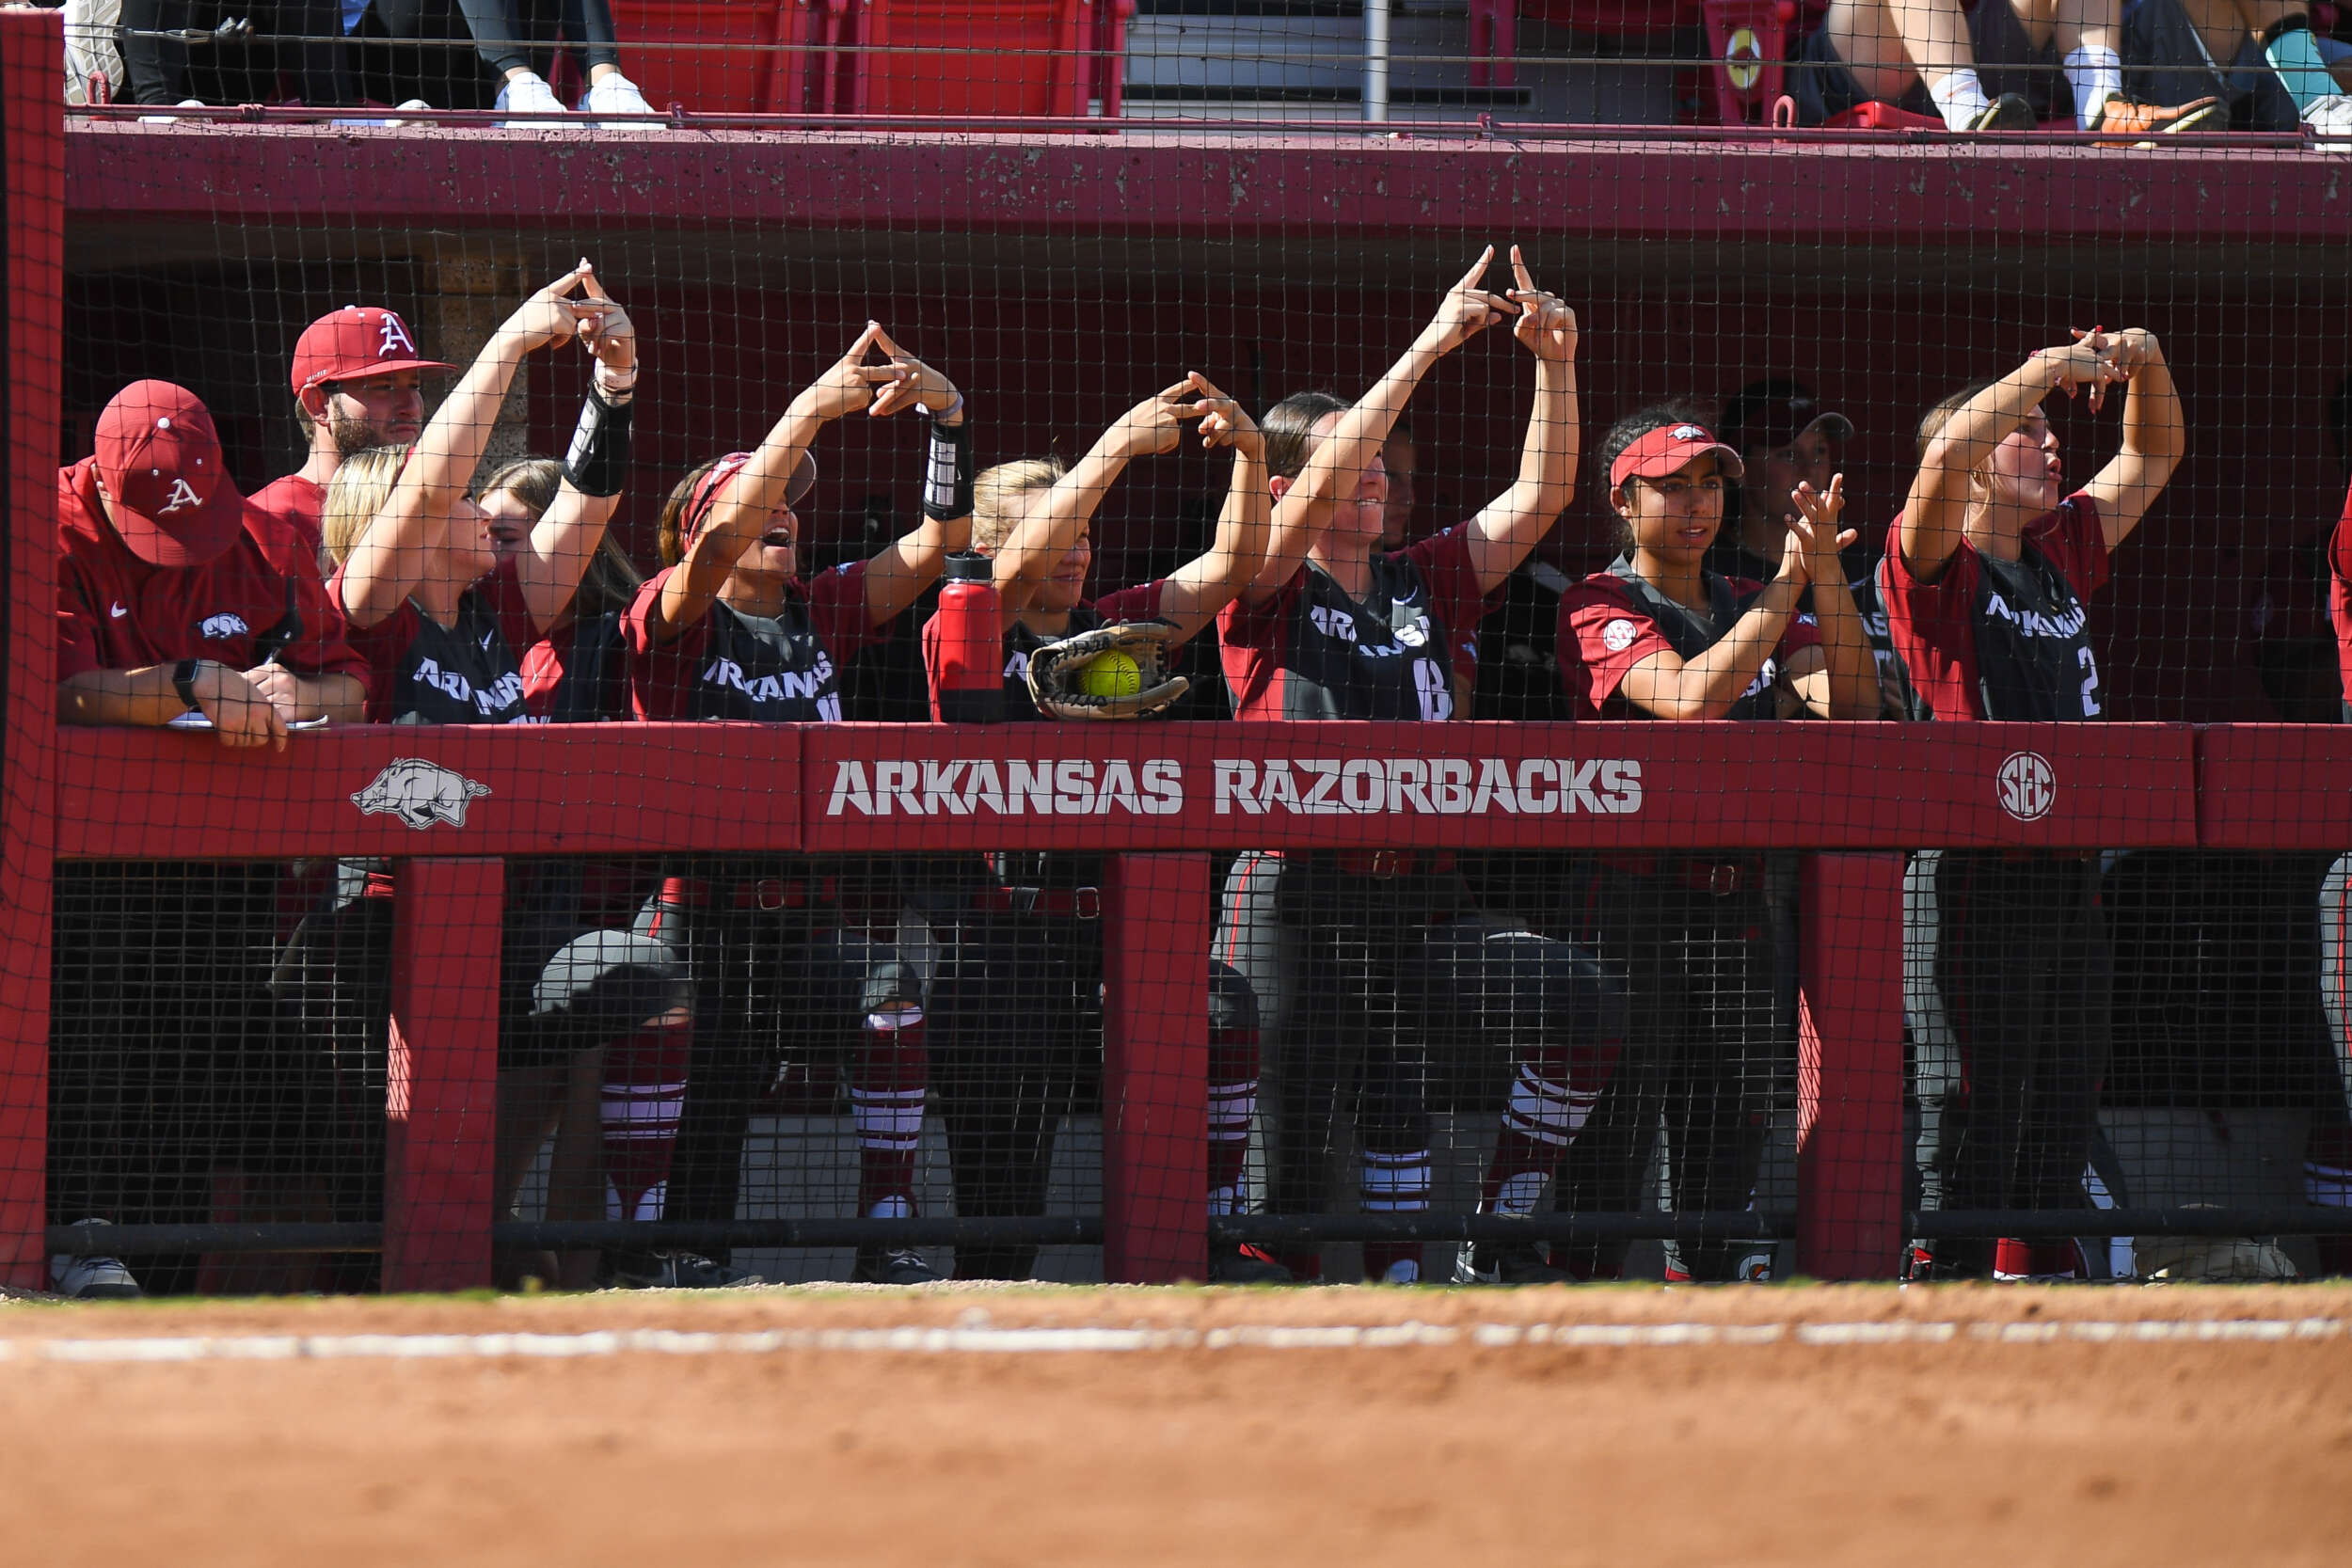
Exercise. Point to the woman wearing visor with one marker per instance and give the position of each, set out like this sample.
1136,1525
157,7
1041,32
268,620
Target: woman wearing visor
1660,636
786,953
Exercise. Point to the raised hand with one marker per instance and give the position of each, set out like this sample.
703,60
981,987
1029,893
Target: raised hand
1816,524
849,383
2127,351
1467,310
551,315
2084,365
1224,422
1546,325
610,336
908,381
1157,425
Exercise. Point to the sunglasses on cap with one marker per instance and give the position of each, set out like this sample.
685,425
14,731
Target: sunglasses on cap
708,489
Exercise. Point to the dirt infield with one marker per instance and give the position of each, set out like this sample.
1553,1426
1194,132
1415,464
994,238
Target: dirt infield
1025,1426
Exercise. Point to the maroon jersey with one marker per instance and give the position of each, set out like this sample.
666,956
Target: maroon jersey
2004,639
115,611
298,509
1312,651
1140,603
2340,599
463,674
729,665
1612,621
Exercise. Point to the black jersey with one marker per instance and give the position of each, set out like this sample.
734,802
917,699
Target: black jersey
1314,652
730,665
2005,638
462,674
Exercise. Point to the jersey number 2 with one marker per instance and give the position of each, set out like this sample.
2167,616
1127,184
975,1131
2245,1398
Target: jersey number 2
2091,684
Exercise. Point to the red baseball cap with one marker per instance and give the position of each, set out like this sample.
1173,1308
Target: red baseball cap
357,341
159,459
1670,448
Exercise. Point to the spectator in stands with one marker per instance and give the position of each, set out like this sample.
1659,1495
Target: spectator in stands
190,53
359,382
1371,961
517,41
1016,1013
170,609
1984,578
2272,70
728,630
1992,67
1661,635
439,617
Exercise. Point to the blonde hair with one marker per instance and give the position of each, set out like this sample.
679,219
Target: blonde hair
993,489
362,483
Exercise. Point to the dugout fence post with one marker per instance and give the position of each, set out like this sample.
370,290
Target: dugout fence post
441,1086
1156,914
1851,1156
32,144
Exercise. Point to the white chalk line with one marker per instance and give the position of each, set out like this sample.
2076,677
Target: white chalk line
985,1340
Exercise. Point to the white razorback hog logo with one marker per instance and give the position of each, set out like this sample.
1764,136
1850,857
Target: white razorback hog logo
2027,785
420,793
224,625
1688,432
396,337
182,494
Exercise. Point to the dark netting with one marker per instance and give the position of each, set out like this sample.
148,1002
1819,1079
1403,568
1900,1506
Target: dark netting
1083,640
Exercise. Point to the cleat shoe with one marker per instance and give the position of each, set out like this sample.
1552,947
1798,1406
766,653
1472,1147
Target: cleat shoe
2135,121
527,94
617,95
2331,119
904,1266
1246,1265
1403,1272
1506,1263
675,1271
91,1278
2007,112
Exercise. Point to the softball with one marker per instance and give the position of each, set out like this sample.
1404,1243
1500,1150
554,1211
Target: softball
1111,674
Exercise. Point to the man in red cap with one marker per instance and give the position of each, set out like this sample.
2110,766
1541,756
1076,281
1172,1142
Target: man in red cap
165,1055
359,382
167,602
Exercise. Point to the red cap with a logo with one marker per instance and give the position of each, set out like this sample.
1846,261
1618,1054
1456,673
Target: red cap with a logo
159,460
1670,448
354,341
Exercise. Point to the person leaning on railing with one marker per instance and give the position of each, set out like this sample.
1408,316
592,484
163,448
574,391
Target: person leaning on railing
1016,1015
1983,582
1660,636
1381,957
729,629
439,617
170,609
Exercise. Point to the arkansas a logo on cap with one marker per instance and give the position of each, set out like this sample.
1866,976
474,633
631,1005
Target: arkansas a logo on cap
181,494
396,336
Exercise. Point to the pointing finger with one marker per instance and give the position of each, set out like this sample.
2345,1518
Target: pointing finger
1169,394
1519,270
884,341
1469,278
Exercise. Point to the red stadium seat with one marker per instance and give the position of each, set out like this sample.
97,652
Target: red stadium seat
1749,42
669,53
1010,58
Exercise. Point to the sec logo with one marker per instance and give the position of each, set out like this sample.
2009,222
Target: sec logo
1617,635
2027,785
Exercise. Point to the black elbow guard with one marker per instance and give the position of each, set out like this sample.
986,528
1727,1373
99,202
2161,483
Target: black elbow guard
597,462
947,475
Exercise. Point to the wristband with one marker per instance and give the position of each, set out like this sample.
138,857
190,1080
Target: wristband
948,476
183,682
923,410
597,462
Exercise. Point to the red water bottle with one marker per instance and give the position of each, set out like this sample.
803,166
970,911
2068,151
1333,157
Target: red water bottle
968,687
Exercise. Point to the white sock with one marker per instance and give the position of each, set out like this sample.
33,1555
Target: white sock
2096,75
1960,99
